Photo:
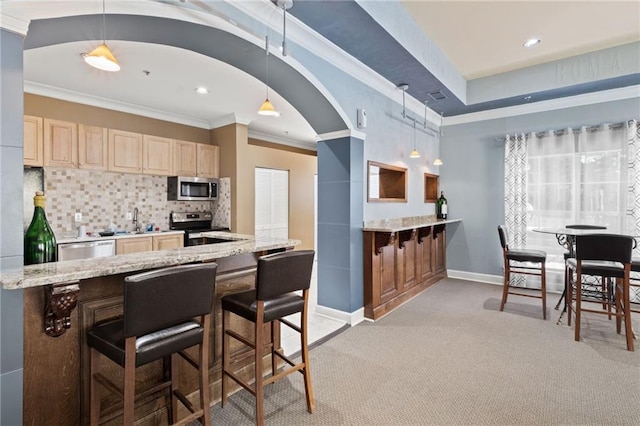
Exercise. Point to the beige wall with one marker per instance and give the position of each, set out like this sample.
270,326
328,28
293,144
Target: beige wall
41,106
240,164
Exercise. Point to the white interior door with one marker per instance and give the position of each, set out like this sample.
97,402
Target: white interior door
272,203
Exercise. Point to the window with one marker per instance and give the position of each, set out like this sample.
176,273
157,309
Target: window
271,203
575,178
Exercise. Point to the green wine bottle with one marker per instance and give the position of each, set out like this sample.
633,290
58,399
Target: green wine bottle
39,241
441,206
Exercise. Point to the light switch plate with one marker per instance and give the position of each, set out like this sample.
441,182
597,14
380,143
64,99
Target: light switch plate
129,216
78,217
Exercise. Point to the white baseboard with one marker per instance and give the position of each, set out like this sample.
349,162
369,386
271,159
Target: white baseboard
352,318
471,276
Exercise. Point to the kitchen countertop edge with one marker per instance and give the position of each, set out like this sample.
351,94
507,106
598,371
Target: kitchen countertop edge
413,226
71,271
72,240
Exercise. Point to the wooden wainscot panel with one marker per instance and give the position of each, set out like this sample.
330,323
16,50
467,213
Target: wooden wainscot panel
400,265
406,259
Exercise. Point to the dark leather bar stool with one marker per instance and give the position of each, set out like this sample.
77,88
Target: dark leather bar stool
279,278
608,256
158,323
523,260
571,252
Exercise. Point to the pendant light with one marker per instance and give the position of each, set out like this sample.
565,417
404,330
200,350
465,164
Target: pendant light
284,4
267,107
414,153
101,57
438,161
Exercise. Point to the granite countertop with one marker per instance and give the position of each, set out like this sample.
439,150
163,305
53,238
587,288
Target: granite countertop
404,223
73,270
117,236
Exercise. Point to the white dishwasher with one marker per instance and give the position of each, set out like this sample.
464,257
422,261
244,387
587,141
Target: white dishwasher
86,250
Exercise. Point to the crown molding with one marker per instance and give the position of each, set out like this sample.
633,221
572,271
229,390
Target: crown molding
81,98
347,133
13,24
282,141
550,105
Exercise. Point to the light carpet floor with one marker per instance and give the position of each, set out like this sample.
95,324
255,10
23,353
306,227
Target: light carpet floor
449,357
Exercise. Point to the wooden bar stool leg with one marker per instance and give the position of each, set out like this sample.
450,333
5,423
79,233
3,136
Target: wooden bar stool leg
543,286
274,339
94,414
203,374
174,382
568,297
129,380
505,287
225,358
304,343
259,344
628,329
618,296
578,305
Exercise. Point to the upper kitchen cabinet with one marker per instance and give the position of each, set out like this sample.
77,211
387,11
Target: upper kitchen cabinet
92,147
207,161
60,143
125,151
184,157
157,155
33,141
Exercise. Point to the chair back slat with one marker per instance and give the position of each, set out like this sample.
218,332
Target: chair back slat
604,247
502,232
165,297
282,273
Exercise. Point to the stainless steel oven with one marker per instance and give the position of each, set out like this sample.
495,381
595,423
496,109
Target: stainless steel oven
190,188
194,224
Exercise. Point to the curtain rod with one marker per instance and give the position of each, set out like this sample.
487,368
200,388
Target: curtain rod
563,131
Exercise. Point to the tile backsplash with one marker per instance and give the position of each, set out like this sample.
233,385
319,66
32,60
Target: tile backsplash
106,197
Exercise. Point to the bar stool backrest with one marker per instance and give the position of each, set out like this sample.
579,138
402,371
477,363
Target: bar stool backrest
158,299
504,241
604,247
282,273
585,227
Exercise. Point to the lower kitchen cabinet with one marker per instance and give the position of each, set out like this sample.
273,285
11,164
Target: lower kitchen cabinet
398,265
134,245
166,242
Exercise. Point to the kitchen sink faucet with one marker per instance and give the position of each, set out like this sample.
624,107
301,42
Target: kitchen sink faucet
135,219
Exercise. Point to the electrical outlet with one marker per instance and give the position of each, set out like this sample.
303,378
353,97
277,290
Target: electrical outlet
129,216
78,217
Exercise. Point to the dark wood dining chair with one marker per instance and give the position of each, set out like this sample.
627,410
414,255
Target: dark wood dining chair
601,255
634,287
165,312
522,262
280,277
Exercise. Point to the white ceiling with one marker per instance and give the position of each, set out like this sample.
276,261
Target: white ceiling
479,37
483,38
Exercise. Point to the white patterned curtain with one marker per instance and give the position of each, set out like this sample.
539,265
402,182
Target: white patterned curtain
515,189
633,197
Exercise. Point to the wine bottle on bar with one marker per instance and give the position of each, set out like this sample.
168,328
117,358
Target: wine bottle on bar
441,206
39,240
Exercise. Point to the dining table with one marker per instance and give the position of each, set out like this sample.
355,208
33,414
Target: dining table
566,237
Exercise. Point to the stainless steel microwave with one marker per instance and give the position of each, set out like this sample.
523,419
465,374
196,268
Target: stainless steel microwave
187,188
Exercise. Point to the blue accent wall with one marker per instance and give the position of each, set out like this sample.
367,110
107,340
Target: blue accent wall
473,176
340,210
11,301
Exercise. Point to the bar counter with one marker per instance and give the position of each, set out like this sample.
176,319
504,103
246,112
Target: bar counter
56,356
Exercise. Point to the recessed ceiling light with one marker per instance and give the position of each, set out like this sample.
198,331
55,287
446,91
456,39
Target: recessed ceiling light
202,90
531,42
527,98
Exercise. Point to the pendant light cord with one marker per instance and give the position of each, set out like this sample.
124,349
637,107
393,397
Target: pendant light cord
266,62
104,25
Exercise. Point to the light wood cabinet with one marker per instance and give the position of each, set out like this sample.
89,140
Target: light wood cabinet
184,157
166,242
60,143
125,151
207,160
32,151
134,245
93,147
157,155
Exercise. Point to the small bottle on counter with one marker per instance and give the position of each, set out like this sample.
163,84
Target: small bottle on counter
39,240
441,206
